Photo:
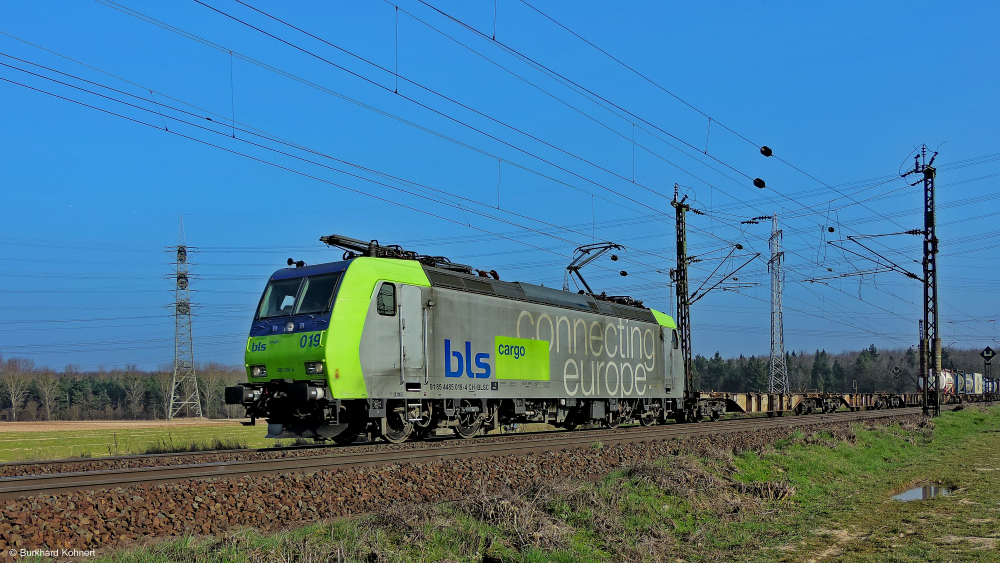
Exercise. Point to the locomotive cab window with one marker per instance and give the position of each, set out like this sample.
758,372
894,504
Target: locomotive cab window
279,298
317,294
385,301
674,340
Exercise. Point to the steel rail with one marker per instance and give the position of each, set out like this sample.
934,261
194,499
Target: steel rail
345,458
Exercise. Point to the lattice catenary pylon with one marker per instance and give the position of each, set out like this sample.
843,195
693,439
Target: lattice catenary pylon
779,370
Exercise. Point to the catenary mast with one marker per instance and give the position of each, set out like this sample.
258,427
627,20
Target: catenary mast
779,369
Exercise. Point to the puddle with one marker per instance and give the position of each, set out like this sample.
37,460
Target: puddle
921,493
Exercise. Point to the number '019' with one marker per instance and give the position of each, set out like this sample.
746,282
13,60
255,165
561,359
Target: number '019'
310,340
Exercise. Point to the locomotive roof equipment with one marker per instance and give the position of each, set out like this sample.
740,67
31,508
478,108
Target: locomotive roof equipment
354,248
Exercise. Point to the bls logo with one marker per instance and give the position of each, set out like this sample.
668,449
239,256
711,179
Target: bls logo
258,347
465,363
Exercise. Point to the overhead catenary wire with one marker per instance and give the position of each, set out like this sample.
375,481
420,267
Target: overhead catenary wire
154,102
663,89
313,162
263,161
146,18
601,98
443,96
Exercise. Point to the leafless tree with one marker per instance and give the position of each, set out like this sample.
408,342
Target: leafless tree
210,386
12,373
165,383
48,390
135,389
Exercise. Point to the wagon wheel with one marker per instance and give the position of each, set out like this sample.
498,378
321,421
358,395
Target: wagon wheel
469,423
396,426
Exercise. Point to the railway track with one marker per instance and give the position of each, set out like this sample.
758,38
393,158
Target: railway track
352,457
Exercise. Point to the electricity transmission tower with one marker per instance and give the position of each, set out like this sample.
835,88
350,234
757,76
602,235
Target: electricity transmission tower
184,391
779,370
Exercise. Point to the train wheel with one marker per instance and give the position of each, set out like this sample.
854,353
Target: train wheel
395,426
357,422
422,417
346,438
612,420
716,415
648,420
469,423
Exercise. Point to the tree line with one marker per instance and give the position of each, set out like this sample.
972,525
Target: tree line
29,393
869,369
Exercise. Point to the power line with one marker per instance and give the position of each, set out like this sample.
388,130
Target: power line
293,170
647,79
443,96
313,162
597,96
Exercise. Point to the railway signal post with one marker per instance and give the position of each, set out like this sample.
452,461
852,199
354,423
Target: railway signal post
988,354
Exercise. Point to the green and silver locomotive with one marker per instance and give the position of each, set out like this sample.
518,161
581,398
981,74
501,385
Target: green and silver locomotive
391,344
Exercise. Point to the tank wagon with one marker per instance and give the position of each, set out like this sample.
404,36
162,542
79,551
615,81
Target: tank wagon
387,343
971,387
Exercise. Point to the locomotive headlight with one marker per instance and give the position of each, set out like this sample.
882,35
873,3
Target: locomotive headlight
290,326
258,371
314,368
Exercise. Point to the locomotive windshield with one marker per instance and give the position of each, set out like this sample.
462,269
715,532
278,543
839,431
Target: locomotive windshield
298,296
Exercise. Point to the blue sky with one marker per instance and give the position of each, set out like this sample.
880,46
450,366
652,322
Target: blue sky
525,169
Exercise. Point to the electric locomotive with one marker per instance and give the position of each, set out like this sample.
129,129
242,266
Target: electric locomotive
390,344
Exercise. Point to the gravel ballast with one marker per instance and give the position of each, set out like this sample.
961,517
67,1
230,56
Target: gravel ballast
116,517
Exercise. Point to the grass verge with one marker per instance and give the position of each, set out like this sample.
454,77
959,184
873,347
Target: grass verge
100,442
811,497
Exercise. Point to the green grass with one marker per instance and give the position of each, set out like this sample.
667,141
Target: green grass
810,497
100,442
